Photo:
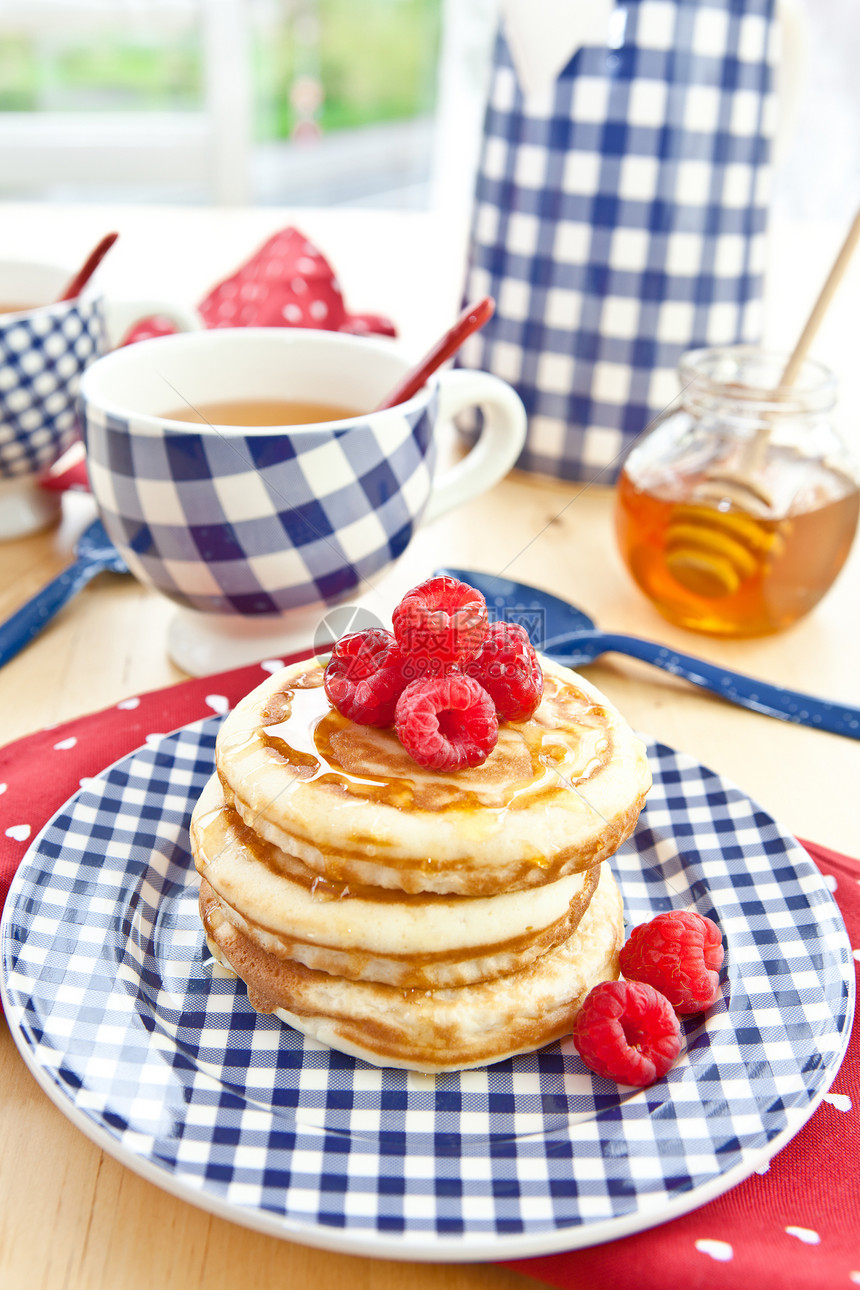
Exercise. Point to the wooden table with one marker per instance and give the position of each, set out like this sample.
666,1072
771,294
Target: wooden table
71,1218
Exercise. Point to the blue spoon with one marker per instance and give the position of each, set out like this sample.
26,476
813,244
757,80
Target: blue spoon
566,634
95,553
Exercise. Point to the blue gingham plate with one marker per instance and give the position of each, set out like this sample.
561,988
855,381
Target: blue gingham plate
156,1054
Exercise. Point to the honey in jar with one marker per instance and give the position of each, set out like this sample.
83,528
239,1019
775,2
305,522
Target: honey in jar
729,560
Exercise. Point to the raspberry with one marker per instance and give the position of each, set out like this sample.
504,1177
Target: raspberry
508,669
627,1031
364,678
438,624
679,954
446,722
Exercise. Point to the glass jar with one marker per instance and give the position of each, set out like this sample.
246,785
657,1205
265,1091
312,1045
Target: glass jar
737,509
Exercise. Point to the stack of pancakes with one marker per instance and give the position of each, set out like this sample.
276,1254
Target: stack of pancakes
409,917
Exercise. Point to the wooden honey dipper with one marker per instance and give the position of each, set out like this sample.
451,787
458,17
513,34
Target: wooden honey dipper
709,551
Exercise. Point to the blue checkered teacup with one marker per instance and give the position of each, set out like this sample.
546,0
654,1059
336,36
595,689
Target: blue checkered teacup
45,346
255,529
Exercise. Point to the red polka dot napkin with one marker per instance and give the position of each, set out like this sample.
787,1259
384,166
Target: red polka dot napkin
794,1227
42,771
287,283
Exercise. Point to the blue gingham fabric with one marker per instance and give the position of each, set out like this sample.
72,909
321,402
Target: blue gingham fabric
259,524
620,220
42,356
124,1018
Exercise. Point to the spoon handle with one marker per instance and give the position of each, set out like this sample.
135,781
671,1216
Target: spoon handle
471,319
772,700
20,628
88,268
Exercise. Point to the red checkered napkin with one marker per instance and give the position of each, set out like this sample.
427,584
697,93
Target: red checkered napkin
794,1227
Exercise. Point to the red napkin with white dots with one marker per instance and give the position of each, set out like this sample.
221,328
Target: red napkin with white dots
794,1227
287,283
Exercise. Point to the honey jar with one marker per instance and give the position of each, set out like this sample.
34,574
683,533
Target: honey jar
737,509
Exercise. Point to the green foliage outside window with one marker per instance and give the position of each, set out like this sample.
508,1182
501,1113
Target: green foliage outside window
375,61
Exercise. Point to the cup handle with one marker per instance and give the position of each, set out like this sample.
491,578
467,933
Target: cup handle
500,442
121,315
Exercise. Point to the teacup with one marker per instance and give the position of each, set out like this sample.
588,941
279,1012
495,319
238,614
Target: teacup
256,529
45,346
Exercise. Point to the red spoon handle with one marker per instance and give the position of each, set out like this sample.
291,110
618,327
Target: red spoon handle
470,320
88,268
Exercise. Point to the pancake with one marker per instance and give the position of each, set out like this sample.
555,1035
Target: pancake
558,794
375,934
430,1030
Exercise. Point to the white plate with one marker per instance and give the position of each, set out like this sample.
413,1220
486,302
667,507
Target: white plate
157,1056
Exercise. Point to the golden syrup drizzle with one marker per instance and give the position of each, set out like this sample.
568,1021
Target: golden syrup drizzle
304,739
223,827
207,819
302,728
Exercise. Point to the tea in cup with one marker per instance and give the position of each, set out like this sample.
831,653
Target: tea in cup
220,492
45,346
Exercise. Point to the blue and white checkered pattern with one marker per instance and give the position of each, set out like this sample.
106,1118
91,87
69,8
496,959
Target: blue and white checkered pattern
619,221
43,354
259,524
125,1020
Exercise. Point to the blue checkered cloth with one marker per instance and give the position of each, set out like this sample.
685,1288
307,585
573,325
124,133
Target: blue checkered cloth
125,1020
42,356
620,220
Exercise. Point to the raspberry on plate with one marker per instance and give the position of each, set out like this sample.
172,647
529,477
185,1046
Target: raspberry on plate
627,1031
508,669
446,722
680,953
364,677
439,624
